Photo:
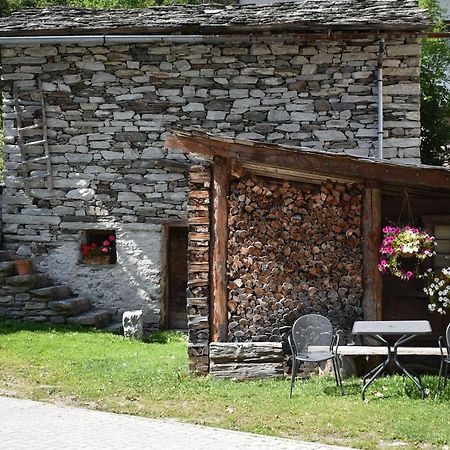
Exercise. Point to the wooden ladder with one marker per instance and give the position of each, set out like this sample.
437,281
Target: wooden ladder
24,145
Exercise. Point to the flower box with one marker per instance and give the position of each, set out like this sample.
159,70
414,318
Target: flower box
97,260
99,252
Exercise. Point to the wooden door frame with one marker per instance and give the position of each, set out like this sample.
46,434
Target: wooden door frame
164,315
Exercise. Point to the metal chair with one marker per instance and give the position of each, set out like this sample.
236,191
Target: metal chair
312,340
444,343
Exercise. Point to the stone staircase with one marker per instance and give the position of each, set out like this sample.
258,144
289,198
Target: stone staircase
36,298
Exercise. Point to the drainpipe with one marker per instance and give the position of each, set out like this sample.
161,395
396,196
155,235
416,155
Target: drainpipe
380,98
103,39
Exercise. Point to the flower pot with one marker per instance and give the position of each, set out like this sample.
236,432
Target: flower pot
407,255
97,260
24,266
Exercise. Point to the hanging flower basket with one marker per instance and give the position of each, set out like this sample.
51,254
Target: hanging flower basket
438,290
403,250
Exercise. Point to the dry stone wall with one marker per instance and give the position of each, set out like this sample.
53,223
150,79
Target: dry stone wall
110,108
294,249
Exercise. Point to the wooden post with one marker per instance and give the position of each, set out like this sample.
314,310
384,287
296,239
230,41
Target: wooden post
371,233
219,243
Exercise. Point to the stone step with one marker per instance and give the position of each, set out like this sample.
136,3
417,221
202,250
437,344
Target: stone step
7,268
97,318
7,255
24,283
56,292
70,306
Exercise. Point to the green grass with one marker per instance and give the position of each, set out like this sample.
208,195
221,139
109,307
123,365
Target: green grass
106,372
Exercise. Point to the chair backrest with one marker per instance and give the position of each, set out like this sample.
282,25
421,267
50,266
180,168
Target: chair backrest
311,330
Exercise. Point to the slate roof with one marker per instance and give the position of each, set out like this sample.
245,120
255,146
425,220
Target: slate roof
300,16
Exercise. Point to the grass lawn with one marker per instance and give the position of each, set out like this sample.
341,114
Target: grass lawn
104,371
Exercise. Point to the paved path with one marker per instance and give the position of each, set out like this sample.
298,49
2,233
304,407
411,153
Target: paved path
28,425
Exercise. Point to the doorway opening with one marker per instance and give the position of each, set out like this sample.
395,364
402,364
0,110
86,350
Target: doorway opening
177,277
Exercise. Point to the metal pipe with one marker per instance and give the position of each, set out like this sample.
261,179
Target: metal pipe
103,39
380,98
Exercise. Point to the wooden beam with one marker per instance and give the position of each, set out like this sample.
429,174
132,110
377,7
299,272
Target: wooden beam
198,145
371,235
219,242
275,157
338,164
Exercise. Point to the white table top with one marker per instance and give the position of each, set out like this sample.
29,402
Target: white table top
391,327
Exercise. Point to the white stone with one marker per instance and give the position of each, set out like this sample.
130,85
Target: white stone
276,115
303,117
403,50
93,66
81,194
128,197
402,142
238,93
330,135
103,77
309,69
57,123
402,89
41,51
246,102
123,115
133,324
216,115
31,220
190,107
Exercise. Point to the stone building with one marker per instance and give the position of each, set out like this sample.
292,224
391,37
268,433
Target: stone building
114,83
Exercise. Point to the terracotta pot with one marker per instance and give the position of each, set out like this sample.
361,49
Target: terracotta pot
97,260
24,266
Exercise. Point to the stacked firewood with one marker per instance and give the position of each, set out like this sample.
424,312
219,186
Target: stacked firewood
198,268
294,248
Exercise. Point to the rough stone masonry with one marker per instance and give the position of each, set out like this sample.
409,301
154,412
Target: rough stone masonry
109,108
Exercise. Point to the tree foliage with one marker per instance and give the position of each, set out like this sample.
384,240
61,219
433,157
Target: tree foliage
435,86
9,6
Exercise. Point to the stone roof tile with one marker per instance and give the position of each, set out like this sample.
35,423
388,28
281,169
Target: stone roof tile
306,15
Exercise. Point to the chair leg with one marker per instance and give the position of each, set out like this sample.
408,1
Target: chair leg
335,370
438,388
293,375
337,374
445,375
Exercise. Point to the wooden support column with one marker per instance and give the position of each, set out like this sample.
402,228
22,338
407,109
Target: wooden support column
219,243
371,233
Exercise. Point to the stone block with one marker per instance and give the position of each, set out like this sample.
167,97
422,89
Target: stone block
128,197
133,324
330,135
90,66
85,194
46,50
402,89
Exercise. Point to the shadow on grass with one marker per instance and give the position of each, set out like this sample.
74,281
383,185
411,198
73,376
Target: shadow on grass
164,337
11,326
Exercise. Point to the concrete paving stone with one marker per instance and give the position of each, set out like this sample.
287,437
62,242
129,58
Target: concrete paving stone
31,425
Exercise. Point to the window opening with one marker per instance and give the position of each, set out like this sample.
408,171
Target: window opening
99,247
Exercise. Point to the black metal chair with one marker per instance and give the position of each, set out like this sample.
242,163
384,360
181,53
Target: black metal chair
312,340
444,343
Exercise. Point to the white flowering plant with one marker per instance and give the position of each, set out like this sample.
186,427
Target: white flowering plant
438,290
